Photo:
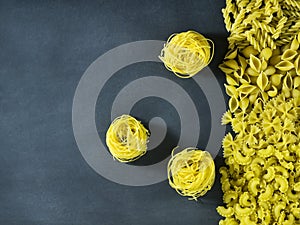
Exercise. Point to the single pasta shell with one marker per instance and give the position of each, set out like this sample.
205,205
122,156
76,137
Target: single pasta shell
270,70
288,81
245,79
232,64
295,44
266,53
233,104
264,65
231,54
246,89
231,81
296,82
226,69
250,50
255,63
284,65
289,55
276,79
297,65
296,93
231,91
262,81
244,103
252,72
243,63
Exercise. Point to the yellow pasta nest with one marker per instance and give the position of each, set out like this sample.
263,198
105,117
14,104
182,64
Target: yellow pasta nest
191,172
186,53
127,138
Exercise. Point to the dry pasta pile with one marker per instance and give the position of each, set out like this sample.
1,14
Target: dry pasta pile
261,180
127,138
191,172
187,53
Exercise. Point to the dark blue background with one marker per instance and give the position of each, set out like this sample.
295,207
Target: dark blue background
45,47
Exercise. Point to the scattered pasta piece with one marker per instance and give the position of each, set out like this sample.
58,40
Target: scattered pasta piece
127,139
187,53
191,172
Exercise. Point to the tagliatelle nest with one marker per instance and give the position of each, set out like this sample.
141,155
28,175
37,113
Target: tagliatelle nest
127,138
191,172
187,53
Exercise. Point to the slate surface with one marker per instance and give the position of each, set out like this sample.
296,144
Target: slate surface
46,46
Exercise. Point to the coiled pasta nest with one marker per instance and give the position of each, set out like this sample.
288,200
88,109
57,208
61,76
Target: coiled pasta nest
127,138
187,53
191,172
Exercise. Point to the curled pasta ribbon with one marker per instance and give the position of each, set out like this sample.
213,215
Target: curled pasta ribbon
127,138
191,172
187,53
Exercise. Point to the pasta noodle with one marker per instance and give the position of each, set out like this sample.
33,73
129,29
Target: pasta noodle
127,139
187,53
191,172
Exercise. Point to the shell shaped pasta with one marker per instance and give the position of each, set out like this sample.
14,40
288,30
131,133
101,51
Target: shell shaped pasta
262,81
284,65
233,104
276,79
289,54
297,65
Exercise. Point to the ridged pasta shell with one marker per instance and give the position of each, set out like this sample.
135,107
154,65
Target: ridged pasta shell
297,65
248,51
231,81
231,54
233,104
284,66
252,72
262,81
246,89
243,63
264,64
231,91
289,55
266,53
295,44
296,93
270,70
244,103
232,64
226,69
255,63
245,79
296,82
288,81
276,79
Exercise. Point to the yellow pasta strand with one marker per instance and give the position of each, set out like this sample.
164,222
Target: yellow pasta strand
191,172
187,53
127,139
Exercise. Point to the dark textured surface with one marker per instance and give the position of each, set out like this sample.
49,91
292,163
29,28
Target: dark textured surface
45,48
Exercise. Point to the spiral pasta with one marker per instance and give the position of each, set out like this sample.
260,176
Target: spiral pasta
127,138
187,53
191,172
